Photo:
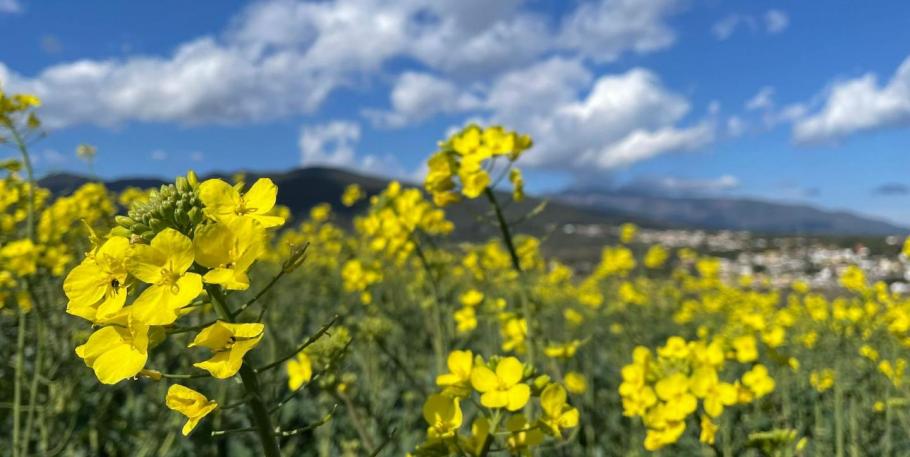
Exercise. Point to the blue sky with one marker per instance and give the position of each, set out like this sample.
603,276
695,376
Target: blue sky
783,100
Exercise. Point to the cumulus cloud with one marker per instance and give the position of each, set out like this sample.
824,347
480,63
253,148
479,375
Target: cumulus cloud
418,96
329,144
857,105
335,144
622,119
281,58
603,30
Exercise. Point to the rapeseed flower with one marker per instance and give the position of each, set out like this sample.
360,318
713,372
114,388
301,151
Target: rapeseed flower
502,388
225,203
229,343
163,264
190,403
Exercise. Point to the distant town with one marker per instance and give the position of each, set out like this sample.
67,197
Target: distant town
778,259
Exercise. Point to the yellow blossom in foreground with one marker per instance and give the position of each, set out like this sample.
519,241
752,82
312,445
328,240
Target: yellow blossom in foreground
224,202
300,370
229,249
502,388
96,288
229,342
558,415
444,416
522,436
190,403
458,381
116,352
163,264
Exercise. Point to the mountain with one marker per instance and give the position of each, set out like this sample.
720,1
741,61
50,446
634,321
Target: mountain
301,189
716,213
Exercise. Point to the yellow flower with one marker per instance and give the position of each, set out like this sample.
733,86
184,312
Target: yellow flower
229,342
576,382
164,264
656,256
557,414
190,403
224,202
229,249
116,352
19,256
627,233
472,297
352,194
565,350
300,371
822,380
708,430
758,381
465,320
745,348
457,381
444,416
97,288
502,388
518,184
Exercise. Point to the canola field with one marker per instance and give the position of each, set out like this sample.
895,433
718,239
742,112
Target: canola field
200,319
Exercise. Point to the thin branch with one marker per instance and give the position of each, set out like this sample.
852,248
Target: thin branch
312,339
217,433
320,422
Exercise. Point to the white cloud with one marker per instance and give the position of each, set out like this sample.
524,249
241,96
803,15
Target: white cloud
763,100
771,22
623,119
605,29
335,144
329,144
197,156
776,21
281,58
159,155
725,27
856,105
10,6
418,96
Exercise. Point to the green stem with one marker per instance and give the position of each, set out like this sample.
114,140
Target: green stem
504,228
439,346
33,388
516,264
17,383
258,411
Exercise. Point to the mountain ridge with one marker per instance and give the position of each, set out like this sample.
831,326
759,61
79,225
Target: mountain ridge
303,188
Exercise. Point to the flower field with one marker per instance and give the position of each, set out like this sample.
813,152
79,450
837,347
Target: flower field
201,319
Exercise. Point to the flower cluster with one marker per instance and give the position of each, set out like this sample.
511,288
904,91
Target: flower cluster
665,388
463,163
174,254
505,387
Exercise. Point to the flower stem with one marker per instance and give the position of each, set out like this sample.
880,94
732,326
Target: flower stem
258,410
516,263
